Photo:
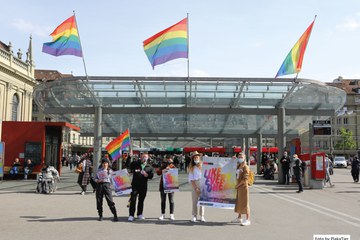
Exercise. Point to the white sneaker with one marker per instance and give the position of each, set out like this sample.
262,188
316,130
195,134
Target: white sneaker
161,217
245,223
203,219
172,218
141,217
131,219
82,193
236,220
193,219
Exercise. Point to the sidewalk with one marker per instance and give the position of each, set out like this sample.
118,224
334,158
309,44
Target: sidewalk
276,214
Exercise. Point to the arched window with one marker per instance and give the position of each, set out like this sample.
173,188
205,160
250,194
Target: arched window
15,107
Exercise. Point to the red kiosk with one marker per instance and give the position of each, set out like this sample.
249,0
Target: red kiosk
39,141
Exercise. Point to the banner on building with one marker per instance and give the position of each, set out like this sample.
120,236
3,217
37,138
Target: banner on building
170,180
121,182
218,183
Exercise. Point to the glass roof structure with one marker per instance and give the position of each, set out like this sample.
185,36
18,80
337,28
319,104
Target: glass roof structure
180,107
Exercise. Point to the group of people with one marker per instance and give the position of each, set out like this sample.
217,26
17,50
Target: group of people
142,171
15,168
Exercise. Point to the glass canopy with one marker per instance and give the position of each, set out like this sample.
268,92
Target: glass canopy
175,108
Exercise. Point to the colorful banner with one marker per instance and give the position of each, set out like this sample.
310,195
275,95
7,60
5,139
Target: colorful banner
2,153
170,180
218,183
122,182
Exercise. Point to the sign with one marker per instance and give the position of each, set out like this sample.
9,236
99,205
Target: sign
218,182
121,182
170,179
322,127
2,154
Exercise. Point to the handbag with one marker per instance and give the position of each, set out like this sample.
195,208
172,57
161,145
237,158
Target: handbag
78,169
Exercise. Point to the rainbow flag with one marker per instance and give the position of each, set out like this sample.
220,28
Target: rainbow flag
65,40
293,61
168,44
115,146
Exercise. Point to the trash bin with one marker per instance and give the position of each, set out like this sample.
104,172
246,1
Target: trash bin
307,174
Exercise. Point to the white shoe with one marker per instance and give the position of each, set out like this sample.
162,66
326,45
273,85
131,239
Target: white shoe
236,220
131,219
203,219
245,223
161,217
172,218
193,218
141,217
82,193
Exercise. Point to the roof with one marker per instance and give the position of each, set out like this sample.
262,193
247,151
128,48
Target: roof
4,46
180,107
350,86
49,75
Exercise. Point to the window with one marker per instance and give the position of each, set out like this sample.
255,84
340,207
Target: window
345,121
15,107
34,119
338,121
47,119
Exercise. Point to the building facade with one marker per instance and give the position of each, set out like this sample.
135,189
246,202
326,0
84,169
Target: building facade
16,84
347,118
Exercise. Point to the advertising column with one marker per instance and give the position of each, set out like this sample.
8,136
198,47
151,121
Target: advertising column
2,153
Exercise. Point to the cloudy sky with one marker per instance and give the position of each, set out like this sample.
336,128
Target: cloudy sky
233,38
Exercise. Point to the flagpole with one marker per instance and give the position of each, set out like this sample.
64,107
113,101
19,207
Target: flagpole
82,52
188,48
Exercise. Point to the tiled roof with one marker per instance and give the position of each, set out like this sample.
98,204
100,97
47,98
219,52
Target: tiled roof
49,75
4,46
350,86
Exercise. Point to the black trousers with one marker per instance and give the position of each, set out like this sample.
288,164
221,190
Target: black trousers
355,175
299,182
104,189
141,192
163,201
286,174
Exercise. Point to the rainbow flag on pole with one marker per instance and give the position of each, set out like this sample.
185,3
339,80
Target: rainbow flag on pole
168,44
65,41
293,61
115,146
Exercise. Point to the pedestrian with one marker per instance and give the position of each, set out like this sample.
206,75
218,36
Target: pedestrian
242,206
142,171
28,168
194,179
328,165
355,166
14,171
285,166
85,174
103,189
298,172
166,165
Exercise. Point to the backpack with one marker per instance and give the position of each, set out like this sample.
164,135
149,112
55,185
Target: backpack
303,166
251,178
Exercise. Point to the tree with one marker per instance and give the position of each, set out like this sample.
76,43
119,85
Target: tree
347,141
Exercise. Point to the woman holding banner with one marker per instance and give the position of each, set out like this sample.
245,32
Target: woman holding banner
166,164
242,196
194,179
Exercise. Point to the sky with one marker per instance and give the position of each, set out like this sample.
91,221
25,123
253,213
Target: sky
230,38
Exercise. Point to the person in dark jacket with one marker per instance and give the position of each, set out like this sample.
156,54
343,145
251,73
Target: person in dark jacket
285,166
28,168
298,172
355,165
142,171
